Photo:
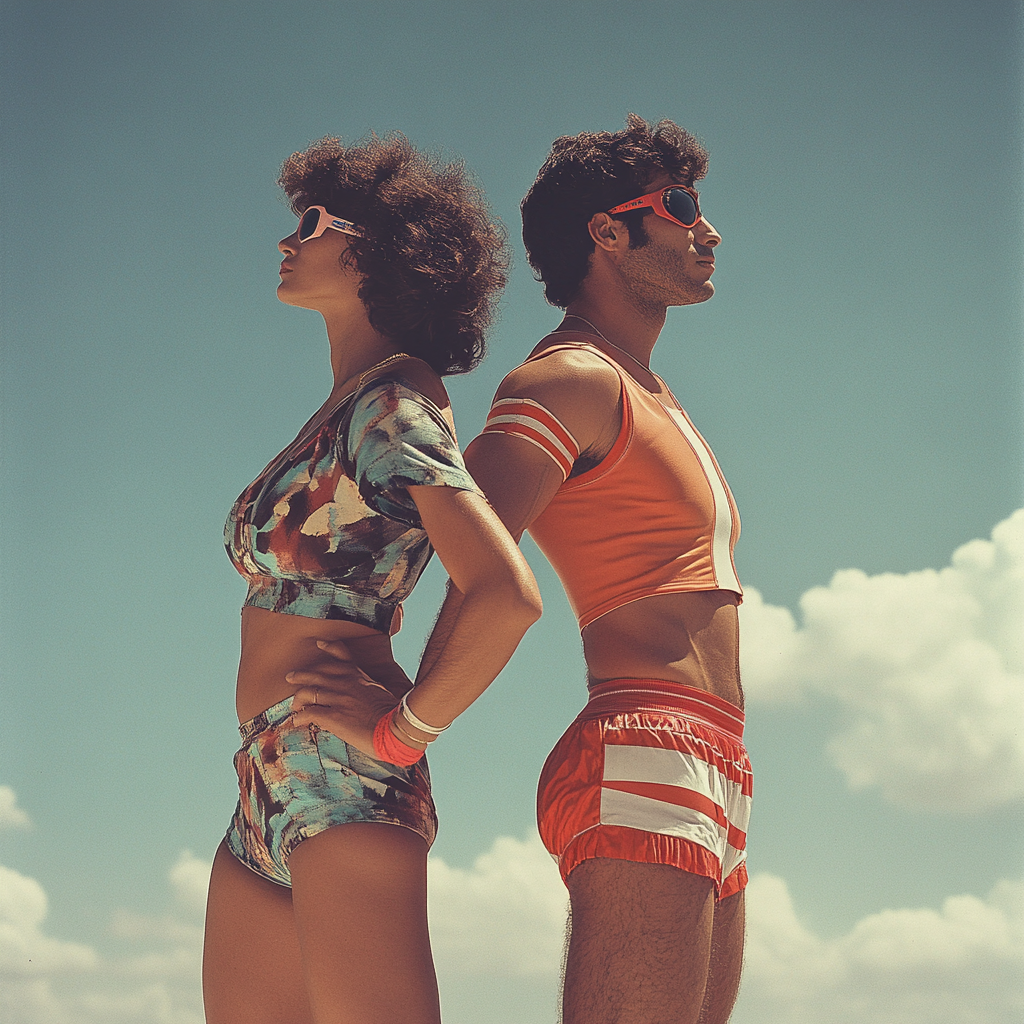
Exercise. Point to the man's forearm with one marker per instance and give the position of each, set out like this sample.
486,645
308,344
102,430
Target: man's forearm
472,642
443,626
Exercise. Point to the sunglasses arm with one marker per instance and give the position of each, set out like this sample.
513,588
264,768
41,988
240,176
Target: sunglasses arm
634,204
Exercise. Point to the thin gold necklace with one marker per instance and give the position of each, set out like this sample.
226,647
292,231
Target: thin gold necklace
320,418
576,316
385,362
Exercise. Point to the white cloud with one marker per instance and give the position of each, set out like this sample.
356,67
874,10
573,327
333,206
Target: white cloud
49,981
29,959
504,916
928,666
190,878
25,952
11,815
963,963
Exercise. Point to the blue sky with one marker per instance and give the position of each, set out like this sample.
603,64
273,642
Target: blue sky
858,374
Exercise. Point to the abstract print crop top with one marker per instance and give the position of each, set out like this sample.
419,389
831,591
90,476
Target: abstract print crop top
328,530
655,516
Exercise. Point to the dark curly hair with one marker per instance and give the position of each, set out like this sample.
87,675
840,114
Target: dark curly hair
594,171
433,261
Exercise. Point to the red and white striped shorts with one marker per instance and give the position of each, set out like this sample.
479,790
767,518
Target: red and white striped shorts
654,772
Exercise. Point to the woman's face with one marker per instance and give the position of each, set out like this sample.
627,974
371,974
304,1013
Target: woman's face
313,274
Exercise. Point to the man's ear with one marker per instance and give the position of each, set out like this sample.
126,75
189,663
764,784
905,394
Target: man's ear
608,234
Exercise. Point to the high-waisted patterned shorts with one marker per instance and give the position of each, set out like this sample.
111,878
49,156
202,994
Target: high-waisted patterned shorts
653,772
295,782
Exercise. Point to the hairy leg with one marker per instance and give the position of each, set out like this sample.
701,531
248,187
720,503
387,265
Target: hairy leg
360,896
252,969
726,960
640,944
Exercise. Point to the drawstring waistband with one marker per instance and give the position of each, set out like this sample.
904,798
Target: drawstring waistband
622,696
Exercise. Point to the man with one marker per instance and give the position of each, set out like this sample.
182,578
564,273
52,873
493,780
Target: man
645,799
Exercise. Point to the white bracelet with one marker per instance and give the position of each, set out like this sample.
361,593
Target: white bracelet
430,730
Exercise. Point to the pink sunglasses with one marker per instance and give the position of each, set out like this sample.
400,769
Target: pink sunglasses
315,220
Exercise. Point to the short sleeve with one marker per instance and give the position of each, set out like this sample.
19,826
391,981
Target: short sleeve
396,439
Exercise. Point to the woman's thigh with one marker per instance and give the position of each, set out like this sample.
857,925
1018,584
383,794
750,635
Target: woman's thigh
252,966
359,892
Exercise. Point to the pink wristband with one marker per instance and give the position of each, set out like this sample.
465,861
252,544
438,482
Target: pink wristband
388,747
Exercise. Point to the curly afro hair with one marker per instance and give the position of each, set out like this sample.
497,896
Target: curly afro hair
432,260
594,171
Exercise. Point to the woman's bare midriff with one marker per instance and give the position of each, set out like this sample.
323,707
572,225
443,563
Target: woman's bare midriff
689,638
274,645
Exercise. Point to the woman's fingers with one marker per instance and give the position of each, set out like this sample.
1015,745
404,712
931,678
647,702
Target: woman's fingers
362,704
356,696
340,698
336,649
339,677
315,695
350,717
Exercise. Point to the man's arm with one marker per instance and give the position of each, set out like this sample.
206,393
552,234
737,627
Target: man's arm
518,478
518,485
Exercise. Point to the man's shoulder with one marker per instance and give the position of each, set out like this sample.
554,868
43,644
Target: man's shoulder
563,373
575,384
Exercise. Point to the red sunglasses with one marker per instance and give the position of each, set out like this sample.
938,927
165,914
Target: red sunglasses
677,203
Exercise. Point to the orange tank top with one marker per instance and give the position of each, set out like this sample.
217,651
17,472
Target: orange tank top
655,516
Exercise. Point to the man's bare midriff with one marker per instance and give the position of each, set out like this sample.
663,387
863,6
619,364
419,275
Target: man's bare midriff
689,638
274,645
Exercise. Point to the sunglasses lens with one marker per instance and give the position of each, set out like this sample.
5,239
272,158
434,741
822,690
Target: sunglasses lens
682,206
308,224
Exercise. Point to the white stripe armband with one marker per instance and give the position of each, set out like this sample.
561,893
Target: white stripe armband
522,417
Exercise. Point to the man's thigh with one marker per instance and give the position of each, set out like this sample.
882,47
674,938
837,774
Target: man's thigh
640,946
726,959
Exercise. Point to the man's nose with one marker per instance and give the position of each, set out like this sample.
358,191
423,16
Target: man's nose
705,233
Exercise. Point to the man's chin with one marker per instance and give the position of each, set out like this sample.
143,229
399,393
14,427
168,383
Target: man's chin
701,293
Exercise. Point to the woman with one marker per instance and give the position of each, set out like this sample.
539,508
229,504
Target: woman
307,921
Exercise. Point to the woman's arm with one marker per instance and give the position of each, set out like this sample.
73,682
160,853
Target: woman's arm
492,598
499,602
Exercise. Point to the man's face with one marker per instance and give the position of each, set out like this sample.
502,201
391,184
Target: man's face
674,268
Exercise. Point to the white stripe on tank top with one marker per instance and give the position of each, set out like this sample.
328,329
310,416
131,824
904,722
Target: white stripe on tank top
721,555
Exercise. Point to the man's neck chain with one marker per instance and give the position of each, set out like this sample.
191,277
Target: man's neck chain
617,348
